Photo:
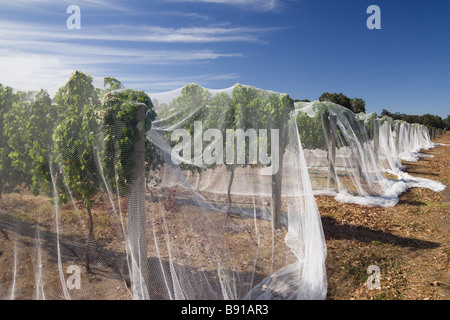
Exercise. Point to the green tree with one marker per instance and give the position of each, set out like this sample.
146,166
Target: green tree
338,98
121,134
356,105
312,130
428,120
260,109
128,157
75,141
7,98
29,127
248,108
10,177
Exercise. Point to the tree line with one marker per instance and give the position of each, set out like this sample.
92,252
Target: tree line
428,120
75,145
358,105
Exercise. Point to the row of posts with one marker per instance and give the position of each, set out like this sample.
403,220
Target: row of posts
434,133
136,202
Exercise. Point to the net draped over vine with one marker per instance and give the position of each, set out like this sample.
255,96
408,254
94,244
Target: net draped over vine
111,193
114,193
348,155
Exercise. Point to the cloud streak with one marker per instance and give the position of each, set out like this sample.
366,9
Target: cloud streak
35,56
52,6
89,54
133,33
37,71
40,55
258,5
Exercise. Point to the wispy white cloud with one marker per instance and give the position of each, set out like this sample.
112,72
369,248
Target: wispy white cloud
90,54
176,13
52,6
35,56
95,8
43,55
259,5
134,33
37,71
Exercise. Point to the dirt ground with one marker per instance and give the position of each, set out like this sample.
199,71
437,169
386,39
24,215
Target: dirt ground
409,243
38,246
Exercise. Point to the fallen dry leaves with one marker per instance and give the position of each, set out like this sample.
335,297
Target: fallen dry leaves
409,242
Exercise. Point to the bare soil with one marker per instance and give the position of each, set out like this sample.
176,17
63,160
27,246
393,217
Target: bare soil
408,242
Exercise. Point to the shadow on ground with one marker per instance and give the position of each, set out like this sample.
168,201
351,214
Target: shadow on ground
335,230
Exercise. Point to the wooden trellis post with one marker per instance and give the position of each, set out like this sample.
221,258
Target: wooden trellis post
356,156
409,133
332,152
277,181
376,139
397,138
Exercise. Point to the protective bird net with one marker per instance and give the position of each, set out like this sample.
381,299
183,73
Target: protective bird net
348,155
109,193
113,193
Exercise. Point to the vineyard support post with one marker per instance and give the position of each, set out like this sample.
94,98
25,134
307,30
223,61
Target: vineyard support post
357,165
277,177
409,134
332,152
357,155
397,137
376,138
277,181
389,134
137,214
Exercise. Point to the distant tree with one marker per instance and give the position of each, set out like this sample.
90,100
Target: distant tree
395,116
429,120
447,121
337,98
302,100
356,105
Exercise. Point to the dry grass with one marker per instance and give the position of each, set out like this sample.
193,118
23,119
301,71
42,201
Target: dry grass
409,242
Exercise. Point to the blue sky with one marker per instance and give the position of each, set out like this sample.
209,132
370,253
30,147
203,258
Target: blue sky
299,47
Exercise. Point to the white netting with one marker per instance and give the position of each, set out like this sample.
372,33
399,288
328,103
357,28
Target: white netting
348,154
110,195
